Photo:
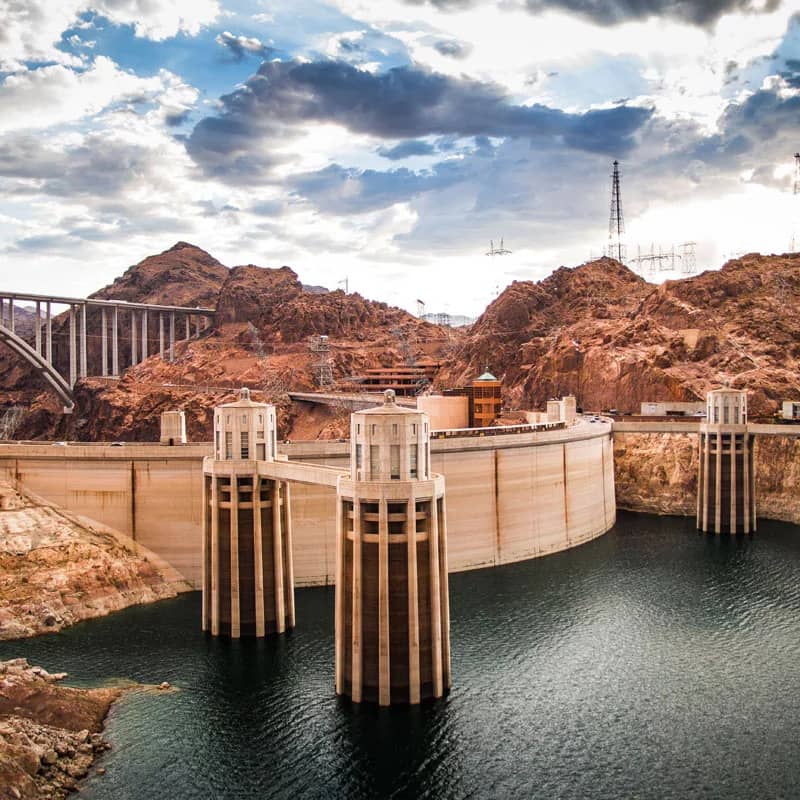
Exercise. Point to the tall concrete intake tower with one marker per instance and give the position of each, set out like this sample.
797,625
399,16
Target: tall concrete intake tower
248,581
726,485
392,607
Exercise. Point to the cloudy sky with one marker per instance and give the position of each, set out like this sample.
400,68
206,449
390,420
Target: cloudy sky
388,141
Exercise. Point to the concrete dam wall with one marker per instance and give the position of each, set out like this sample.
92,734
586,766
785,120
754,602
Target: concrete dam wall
509,497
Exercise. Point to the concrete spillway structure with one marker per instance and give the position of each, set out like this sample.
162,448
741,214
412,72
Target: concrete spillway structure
248,579
726,486
392,607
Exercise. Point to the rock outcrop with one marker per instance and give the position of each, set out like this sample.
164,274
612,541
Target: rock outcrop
184,275
49,734
657,473
597,331
266,317
604,334
57,568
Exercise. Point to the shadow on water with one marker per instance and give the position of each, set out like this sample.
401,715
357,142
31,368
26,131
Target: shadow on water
652,662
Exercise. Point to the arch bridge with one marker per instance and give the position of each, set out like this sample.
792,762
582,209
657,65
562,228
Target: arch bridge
144,324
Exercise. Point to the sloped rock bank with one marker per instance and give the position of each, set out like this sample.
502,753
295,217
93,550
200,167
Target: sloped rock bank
57,568
657,473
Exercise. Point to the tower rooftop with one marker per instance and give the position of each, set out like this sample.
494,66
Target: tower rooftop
389,406
244,401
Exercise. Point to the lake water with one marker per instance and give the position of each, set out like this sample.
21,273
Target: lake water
653,662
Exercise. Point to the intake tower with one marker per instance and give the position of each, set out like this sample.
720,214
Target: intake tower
248,580
726,485
392,608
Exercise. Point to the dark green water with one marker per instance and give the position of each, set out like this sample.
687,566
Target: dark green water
651,663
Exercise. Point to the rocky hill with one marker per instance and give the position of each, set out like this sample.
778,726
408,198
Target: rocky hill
604,334
184,275
266,317
598,331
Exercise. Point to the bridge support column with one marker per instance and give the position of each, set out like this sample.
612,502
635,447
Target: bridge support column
197,325
115,342
144,334
84,344
248,583
104,342
171,336
73,364
726,480
134,354
11,321
38,342
392,609
161,334
49,334
188,326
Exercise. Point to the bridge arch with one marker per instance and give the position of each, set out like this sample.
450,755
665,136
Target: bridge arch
41,365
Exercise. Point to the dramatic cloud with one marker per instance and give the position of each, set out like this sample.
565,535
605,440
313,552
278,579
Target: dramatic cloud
402,102
697,12
452,48
242,46
391,134
407,149
158,19
613,12
52,95
31,29
759,130
337,190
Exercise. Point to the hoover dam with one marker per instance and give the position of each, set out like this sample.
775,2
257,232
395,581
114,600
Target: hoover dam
510,497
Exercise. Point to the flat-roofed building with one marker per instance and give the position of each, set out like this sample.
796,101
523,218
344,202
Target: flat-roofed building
790,409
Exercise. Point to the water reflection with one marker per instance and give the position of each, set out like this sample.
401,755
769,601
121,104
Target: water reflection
653,662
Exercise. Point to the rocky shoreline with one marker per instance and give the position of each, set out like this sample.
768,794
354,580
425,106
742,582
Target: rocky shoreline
657,474
50,735
57,568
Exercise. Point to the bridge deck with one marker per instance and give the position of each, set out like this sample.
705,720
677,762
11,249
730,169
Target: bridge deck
96,301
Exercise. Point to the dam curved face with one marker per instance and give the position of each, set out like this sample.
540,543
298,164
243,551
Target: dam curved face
510,497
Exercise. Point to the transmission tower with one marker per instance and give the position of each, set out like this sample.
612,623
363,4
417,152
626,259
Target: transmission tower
405,347
616,222
497,251
796,209
688,258
323,369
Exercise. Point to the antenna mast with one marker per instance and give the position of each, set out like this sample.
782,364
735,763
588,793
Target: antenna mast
616,223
